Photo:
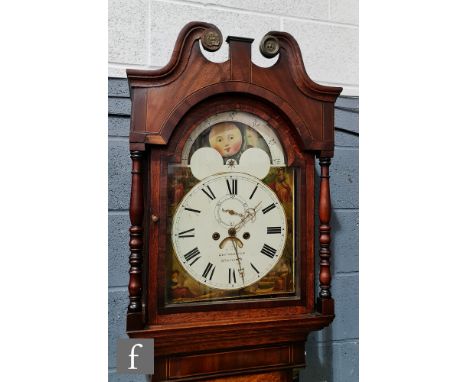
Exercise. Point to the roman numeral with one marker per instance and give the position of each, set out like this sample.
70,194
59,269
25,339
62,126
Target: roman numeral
207,270
209,193
191,254
232,276
184,233
232,186
269,208
192,210
253,192
273,230
195,260
255,269
268,251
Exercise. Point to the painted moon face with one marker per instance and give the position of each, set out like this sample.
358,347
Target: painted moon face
232,133
226,138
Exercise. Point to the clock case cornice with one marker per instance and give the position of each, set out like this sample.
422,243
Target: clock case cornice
158,106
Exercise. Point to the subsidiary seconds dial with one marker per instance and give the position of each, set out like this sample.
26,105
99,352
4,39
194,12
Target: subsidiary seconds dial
229,231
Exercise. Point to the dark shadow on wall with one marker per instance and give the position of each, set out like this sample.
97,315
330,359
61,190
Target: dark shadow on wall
319,349
324,356
319,359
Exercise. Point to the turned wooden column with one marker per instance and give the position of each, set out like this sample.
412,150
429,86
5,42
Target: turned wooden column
325,302
136,233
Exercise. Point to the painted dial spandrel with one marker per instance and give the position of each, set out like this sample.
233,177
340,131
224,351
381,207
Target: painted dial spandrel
229,231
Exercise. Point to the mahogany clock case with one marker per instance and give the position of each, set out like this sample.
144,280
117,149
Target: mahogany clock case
167,105
172,154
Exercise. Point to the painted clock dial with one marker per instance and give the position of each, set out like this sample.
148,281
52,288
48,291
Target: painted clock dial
231,210
229,231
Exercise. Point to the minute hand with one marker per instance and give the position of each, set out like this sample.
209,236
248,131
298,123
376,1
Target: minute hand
249,214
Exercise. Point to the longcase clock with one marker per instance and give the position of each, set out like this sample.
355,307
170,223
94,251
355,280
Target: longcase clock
223,199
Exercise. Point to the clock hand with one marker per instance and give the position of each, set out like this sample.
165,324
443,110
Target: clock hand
249,214
258,204
232,212
241,270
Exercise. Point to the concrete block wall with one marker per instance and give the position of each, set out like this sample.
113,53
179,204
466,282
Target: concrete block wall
142,33
332,354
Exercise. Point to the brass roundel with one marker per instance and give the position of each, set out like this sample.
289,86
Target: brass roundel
269,46
211,39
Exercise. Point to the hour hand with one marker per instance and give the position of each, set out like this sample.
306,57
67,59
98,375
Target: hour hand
249,214
232,212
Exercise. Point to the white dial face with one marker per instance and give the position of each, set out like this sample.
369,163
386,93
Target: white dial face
229,231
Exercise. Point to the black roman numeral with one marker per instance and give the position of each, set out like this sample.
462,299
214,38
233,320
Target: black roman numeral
184,233
195,260
207,270
232,276
232,186
209,192
255,269
191,254
268,251
191,209
269,208
273,230
253,192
